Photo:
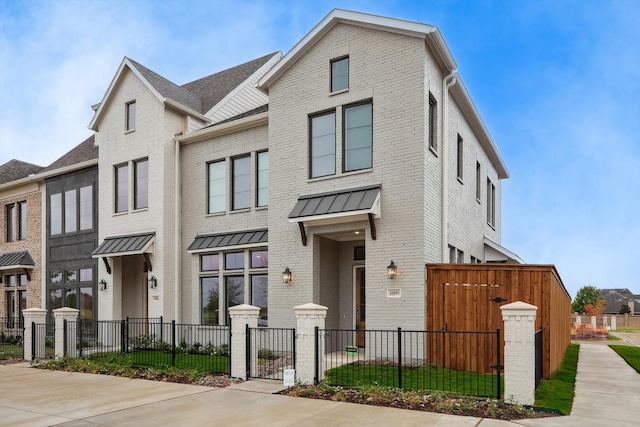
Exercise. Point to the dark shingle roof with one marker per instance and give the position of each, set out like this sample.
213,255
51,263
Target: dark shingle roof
210,241
16,169
216,86
16,259
82,152
261,109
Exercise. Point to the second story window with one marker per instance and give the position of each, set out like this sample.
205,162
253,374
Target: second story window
491,203
262,180
241,183
22,220
217,176
11,222
322,145
478,181
71,211
130,112
122,188
141,184
137,185
460,157
433,122
340,74
358,137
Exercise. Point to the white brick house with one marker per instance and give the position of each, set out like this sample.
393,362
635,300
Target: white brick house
367,150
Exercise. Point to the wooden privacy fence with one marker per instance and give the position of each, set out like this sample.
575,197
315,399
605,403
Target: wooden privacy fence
467,297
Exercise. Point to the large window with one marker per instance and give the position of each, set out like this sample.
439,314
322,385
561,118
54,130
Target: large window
210,297
241,183
262,180
259,296
11,222
56,214
217,200
130,111
358,137
71,211
433,122
86,208
15,297
141,184
122,188
323,145
460,157
72,287
340,74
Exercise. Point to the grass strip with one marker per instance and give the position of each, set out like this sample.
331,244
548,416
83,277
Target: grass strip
630,354
558,391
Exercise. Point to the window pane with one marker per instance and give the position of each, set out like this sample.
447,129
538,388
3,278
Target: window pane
11,303
259,297
259,259
122,188
10,280
56,214
323,145
234,261
71,298
234,291
22,280
241,183
209,262
86,208
478,180
210,298
86,274
70,275
56,277
460,156
70,214
358,137
433,122
22,301
86,303
340,74
22,220
131,115
217,187
11,222
263,179
55,298
141,191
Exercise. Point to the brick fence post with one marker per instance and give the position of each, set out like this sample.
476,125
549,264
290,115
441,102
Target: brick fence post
60,315
241,316
519,352
308,316
39,317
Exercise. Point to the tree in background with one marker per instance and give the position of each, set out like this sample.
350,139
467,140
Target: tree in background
586,295
596,310
625,309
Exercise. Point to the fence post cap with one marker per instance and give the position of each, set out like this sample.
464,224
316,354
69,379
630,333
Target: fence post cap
34,310
244,308
66,311
518,306
310,306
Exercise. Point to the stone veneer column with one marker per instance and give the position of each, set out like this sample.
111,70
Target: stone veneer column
39,317
60,315
308,316
241,316
519,352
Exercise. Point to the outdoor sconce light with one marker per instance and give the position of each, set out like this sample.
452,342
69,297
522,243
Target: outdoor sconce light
153,282
286,275
103,284
392,271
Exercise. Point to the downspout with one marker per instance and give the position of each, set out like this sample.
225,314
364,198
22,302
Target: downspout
448,81
177,243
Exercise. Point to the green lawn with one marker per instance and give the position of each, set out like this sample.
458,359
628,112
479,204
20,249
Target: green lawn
631,355
200,362
428,377
11,351
557,392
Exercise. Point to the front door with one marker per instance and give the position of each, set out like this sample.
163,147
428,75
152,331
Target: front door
360,307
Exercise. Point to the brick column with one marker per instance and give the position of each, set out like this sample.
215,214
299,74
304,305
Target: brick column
308,316
519,352
39,317
59,316
241,316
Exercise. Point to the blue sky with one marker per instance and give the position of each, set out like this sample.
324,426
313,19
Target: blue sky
557,84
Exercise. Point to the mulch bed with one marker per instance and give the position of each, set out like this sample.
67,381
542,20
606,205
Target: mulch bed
11,360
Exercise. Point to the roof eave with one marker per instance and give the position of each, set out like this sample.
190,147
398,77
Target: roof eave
183,108
225,128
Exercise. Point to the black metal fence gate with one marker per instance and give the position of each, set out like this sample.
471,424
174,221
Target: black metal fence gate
539,357
270,351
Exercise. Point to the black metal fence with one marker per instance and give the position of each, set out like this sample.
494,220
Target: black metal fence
539,357
270,351
42,341
450,361
11,337
152,342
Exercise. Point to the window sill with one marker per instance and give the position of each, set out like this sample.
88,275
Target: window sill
433,151
139,210
215,214
343,174
120,213
240,211
491,225
261,208
479,201
338,92
460,181
129,131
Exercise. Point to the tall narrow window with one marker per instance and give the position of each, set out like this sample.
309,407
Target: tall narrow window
141,184
452,254
22,220
323,145
56,214
493,205
70,212
460,157
11,223
122,188
262,183
358,137
460,257
241,183
86,208
131,115
234,290
340,74
433,122
210,297
217,187
478,181
259,297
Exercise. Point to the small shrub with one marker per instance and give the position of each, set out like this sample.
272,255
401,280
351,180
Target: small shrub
266,354
142,342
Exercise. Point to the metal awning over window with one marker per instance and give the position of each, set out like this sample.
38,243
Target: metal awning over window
223,241
17,260
131,244
355,204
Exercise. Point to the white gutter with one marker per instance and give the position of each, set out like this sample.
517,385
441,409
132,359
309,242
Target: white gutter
445,187
177,260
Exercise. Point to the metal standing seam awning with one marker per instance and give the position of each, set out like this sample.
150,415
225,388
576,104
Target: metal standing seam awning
222,241
355,204
131,244
17,260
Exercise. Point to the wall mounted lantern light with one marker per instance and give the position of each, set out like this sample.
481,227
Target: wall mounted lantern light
103,284
286,275
153,282
392,271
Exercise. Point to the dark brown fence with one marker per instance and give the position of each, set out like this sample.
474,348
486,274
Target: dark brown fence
467,297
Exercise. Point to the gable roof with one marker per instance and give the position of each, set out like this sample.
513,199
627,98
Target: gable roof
86,150
16,259
17,169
